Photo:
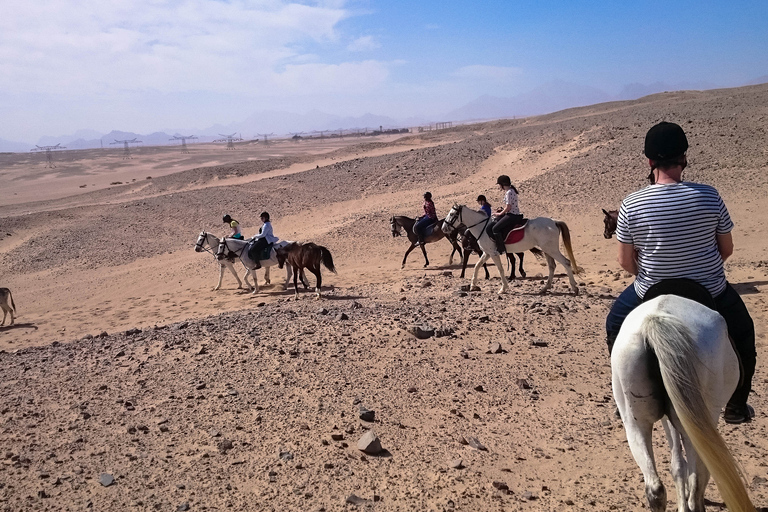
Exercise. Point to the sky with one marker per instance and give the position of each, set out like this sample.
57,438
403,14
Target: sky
151,65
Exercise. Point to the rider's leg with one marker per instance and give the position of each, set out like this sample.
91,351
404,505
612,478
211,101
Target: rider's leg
741,329
500,230
419,228
625,303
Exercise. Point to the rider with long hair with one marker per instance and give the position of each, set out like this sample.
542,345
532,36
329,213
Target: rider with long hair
232,223
507,217
676,229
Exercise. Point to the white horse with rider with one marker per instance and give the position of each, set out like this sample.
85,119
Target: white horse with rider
540,232
230,248
673,361
208,242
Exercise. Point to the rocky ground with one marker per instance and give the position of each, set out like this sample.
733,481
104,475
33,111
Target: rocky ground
128,383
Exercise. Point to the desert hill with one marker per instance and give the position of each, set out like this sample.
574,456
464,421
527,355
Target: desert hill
125,362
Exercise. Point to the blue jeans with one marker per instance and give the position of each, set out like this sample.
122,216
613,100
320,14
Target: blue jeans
421,226
741,329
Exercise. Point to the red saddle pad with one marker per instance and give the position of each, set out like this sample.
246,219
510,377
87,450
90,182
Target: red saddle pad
515,235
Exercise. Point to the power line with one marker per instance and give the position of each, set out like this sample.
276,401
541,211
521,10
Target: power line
229,139
183,140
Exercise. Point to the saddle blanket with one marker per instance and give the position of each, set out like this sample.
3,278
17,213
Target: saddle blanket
254,254
516,234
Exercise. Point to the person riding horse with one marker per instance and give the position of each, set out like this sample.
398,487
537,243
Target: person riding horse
429,218
263,239
232,223
506,218
676,229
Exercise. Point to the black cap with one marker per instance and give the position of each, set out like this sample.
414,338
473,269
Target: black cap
665,141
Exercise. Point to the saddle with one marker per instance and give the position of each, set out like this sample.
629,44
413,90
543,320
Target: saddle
516,233
690,289
256,255
431,228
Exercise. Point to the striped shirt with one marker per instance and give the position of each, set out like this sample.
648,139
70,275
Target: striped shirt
674,229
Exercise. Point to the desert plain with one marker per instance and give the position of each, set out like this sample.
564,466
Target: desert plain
128,383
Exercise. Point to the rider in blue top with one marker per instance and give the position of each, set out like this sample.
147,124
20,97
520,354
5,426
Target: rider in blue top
485,206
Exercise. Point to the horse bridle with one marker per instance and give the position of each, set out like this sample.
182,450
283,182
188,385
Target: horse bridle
202,239
223,242
395,227
461,221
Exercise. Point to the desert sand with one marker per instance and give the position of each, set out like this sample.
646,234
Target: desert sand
125,368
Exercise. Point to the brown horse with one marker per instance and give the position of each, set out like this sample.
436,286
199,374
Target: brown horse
401,222
610,220
310,256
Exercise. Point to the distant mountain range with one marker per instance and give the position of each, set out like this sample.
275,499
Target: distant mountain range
549,97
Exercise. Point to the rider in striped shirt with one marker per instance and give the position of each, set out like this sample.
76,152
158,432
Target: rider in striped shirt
675,229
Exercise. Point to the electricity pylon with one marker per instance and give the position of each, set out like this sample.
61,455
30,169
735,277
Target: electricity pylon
265,135
229,139
183,140
48,153
127,152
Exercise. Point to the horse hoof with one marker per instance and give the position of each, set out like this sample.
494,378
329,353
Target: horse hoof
474,288
575,291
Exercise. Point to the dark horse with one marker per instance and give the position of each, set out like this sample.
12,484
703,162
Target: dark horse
470,245
310,256
610,220
399,222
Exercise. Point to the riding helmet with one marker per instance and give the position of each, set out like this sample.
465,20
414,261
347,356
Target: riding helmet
264,215
428,196
665,141
504,181
227,219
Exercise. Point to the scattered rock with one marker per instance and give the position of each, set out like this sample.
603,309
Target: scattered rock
184,506
539,343
353,499
522,384
495,348
342,316
322,311
224,446
473,442
501,486
131,332
367,415
412,389
480,388
106,479
422,332
369,443
456,464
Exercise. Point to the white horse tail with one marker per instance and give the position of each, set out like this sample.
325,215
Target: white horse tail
673,344
566,233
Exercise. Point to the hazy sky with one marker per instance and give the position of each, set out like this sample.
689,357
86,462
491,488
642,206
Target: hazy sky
149,65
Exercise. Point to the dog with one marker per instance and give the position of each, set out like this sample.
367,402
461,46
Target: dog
6,304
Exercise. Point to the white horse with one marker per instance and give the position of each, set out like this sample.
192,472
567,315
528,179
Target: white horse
673,361
234,247
540,232
209,242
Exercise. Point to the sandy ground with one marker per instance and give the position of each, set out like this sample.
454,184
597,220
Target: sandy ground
124,361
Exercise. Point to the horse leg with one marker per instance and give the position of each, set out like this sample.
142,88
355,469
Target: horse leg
683,486
480,262
551,265
423,250
557,255
511,260
412,247
303,278
221,277
319,280
267,280
255,287
520,256
456,248
638,418
504,284
464,261
295,282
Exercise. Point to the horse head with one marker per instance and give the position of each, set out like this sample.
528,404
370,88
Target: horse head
200,241
221,249
451,222
610,220
395,227
281,253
